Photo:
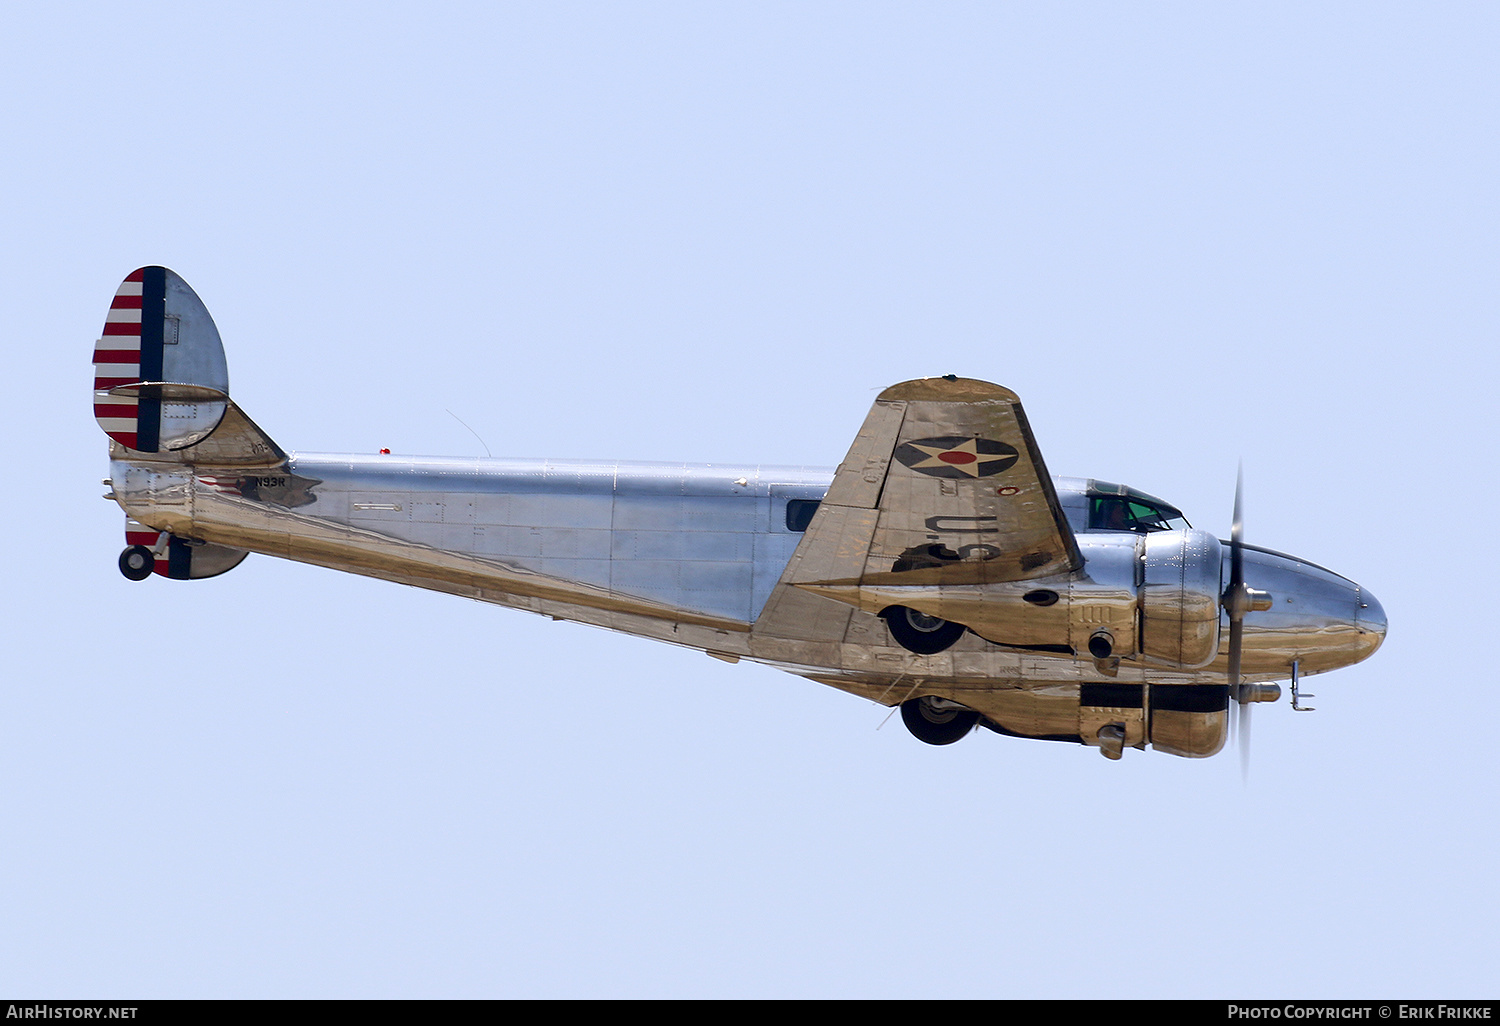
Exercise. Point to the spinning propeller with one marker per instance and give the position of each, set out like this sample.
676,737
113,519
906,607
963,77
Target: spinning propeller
1237,600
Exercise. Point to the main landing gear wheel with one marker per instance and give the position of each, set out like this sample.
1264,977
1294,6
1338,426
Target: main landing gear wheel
137,562
937,721
920,633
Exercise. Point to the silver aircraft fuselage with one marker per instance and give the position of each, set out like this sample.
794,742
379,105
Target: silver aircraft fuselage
687,554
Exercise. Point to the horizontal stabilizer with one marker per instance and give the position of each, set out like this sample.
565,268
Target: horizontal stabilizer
234,439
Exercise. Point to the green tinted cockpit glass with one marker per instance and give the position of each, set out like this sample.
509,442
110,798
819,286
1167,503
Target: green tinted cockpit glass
1117,508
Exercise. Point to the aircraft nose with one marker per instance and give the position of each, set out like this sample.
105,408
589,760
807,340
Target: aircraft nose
1317,617
1369,616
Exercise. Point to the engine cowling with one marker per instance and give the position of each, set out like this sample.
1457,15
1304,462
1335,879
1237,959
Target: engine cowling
1179,598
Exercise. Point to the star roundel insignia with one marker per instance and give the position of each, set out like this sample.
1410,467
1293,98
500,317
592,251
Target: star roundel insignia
957,456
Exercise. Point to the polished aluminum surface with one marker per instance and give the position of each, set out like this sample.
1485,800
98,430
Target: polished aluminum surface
691,554
1180,597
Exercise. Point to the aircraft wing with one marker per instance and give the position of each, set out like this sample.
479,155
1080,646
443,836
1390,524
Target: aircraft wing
943,485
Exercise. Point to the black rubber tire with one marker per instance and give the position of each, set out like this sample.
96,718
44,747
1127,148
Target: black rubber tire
935,726
137,562
920,633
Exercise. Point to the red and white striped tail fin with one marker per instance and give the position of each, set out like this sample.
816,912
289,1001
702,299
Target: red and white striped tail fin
173,557
158,331
117,361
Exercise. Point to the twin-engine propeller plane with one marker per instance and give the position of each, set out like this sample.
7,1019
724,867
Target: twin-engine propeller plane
939,568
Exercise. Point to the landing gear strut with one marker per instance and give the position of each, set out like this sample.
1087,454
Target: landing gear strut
937,721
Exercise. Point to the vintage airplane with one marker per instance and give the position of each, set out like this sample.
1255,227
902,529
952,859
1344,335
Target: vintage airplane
939,567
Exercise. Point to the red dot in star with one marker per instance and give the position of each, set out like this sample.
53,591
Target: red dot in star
957,457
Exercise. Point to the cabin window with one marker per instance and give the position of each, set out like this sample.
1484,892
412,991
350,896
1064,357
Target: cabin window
799,513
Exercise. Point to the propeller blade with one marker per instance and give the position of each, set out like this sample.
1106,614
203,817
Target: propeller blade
1234,605
1240,709
1237,539
1236,648
1244,741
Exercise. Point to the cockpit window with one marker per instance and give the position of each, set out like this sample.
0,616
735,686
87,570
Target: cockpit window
1117,508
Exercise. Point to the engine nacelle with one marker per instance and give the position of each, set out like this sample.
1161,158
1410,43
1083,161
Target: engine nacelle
1188,720
1157,599
1151,597
1179,598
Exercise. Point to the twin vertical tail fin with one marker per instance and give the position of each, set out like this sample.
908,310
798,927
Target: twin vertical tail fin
158,333
161,393
161,384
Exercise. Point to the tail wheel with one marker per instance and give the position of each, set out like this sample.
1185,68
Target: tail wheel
137,562
917,632
937,721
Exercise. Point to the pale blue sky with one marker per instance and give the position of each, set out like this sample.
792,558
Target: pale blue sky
1186,234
